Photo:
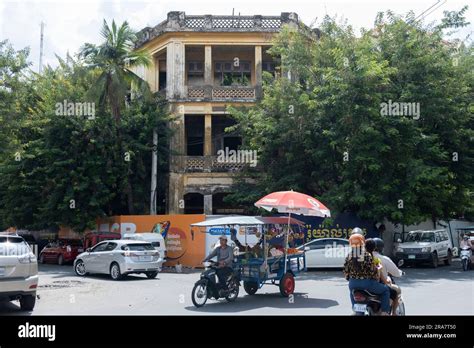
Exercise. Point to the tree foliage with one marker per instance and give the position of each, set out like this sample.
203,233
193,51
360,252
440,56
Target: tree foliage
323,131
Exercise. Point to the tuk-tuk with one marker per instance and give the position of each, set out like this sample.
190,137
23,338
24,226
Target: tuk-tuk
269,261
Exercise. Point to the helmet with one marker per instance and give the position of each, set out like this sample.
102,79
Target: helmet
356,240
356,230
378,245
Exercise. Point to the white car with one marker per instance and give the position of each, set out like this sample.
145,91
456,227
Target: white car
156,239
429,246
18,271
119,257
326,252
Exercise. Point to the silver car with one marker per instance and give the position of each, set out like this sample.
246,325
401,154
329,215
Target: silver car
119,258
18,271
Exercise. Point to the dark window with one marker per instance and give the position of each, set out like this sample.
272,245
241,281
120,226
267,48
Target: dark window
162,82
110,246
138,247
10,239
317,244
228,74
233,143
99,247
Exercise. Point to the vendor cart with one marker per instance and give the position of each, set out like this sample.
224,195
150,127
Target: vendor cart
266,262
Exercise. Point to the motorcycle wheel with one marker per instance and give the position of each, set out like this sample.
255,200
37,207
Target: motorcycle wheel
233,293
401,309
199,294
464,264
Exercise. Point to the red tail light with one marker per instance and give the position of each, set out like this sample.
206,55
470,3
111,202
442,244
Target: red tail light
359,297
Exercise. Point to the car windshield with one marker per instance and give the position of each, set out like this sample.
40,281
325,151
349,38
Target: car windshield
138,247
421,237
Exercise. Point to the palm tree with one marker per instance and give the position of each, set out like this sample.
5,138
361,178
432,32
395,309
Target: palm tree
115,59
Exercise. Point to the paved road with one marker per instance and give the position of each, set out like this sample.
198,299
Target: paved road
442,291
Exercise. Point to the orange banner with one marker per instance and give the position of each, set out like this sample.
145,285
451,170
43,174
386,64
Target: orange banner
183,246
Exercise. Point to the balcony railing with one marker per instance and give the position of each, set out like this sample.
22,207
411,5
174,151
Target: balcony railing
222,93
210,164
179,22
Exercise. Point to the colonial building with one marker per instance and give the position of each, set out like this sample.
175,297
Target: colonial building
203,64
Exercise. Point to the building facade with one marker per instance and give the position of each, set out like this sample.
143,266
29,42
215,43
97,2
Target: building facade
204,64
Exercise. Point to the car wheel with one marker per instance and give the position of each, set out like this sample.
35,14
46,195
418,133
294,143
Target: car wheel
60,260
115,271
151,275
434,260
41,258
449,259
27,303
80,268
250,287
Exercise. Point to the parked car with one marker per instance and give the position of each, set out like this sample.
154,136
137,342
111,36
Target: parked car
119,258
18,271
430,246
155,239
92,238
326,252
61,251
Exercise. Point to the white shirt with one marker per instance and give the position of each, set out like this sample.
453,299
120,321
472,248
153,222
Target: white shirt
388,266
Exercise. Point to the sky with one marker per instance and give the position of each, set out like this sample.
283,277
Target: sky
70,23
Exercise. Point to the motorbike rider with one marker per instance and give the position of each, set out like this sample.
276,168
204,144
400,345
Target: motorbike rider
225,256
466,242
388,269
361,272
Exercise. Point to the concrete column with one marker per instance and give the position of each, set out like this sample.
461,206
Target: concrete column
208,80
150,74
207,135
175,66
258,71
208,204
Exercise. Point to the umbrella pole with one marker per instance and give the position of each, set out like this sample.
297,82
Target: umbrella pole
286,243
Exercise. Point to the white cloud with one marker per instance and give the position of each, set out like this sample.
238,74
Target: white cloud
71,23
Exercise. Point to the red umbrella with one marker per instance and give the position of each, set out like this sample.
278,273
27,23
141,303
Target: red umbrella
294,203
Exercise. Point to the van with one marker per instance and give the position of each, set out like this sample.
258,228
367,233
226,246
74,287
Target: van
155,239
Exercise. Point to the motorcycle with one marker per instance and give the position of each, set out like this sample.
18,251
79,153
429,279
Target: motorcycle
208,286
466,254
369,304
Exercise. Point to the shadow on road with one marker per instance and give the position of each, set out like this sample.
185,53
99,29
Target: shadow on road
12,308
251,302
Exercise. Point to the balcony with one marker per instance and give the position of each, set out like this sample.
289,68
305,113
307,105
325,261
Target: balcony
221,93
208,164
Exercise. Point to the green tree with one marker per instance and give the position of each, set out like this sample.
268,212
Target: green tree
323,132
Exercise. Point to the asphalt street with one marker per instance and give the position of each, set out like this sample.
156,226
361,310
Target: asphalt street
426,291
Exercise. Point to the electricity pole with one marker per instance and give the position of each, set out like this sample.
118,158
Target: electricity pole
40,69
154,165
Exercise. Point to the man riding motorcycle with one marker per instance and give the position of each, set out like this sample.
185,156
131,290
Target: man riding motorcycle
388,269
225,256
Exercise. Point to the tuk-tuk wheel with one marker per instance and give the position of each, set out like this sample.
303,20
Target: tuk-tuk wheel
287,285
250,287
